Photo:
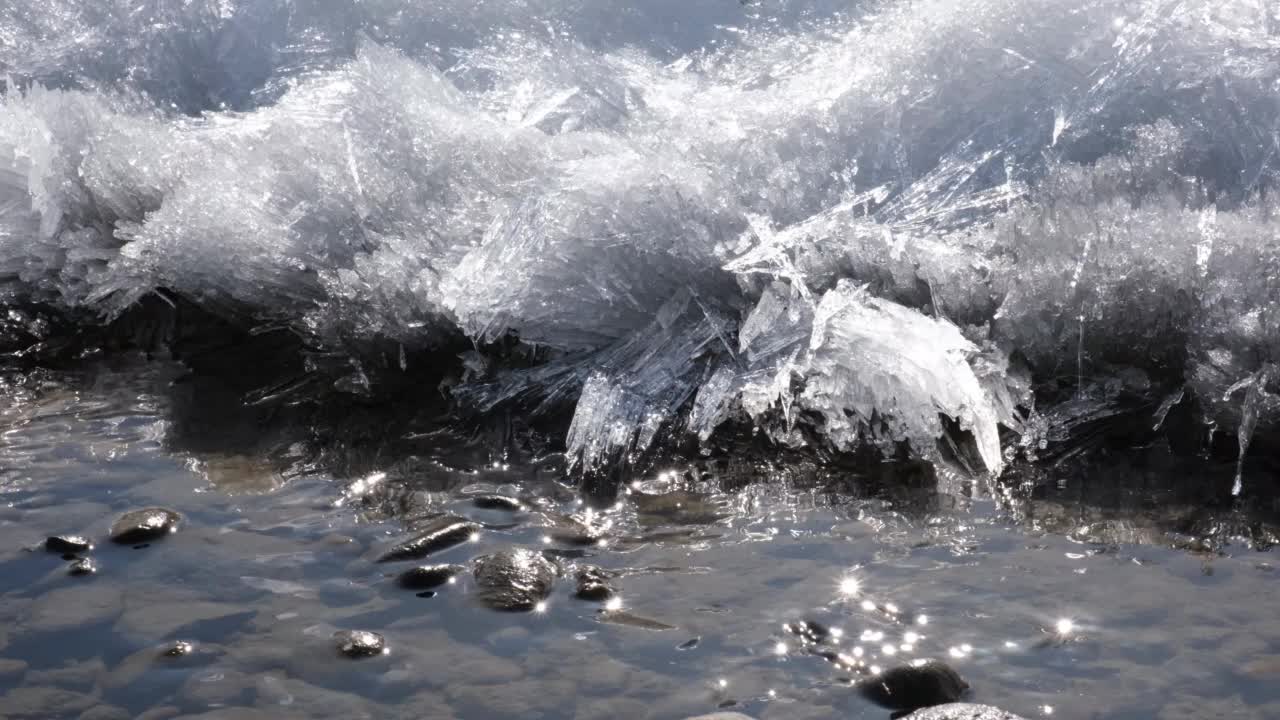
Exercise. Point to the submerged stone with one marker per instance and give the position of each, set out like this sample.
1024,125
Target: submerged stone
593,585
514,580
145,525
68,544
497,502
359,643
179,648
962,711
809,630
83,566
626,619
440,535
426,577
923,683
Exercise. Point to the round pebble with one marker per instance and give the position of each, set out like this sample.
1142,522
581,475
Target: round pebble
359,643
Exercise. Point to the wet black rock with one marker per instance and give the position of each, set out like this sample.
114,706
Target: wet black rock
426,577
515,580
809,630
180,648
962,711
83,566
923,683
145,525
359,643
441,534
593,585
497,502
66,544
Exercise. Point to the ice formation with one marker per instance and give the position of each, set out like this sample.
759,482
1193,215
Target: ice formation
894,225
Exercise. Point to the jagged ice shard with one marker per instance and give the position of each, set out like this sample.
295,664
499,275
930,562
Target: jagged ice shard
897,224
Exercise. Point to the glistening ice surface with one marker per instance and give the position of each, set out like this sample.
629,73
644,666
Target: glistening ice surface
674,278
846,226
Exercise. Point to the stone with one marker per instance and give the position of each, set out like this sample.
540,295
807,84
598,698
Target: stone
427,577
10,668
593,585
180,648
441,534
515,580
45,702
809,631
359,643
70,607
105,712
83,566
722,716
497,502
64,544
145,525
962,711
922,683
163,613
626,619
160,712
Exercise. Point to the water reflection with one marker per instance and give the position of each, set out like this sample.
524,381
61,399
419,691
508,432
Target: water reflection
865,566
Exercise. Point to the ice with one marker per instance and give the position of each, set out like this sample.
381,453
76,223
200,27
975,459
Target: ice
899,225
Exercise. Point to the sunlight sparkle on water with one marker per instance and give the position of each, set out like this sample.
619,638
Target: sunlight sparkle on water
1065,626
849,586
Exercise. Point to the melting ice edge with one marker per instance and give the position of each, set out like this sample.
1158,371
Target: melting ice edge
848,228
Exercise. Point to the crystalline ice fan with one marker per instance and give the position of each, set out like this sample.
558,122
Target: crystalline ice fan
844,228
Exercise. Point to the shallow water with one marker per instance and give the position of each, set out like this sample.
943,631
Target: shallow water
1169,595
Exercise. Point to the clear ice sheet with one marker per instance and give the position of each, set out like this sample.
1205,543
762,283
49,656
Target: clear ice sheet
836,224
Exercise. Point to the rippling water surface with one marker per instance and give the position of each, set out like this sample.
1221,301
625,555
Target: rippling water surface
1126,587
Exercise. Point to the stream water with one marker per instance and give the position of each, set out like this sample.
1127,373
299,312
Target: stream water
1127,588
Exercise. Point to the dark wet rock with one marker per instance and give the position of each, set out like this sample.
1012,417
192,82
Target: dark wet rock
67,544
722,716
441,534
809,630
180,648
593,585
359,643
145,525
497,502
514,580
626,619
426,577
962,711
689,644
83,566
922,683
